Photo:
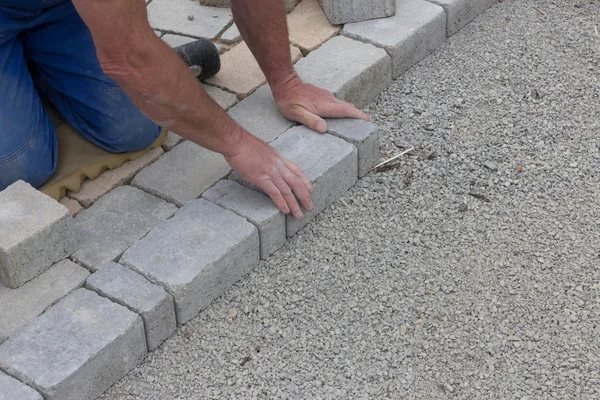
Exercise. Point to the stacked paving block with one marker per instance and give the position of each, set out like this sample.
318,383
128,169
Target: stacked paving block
460,12
364,135
344,11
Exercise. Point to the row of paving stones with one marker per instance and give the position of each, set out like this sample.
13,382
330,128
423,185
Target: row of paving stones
153,252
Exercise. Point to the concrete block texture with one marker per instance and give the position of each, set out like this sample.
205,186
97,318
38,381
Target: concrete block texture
182,174
115,222
330,163
34,233
256,208
460,12
77,349
354,71
12,389
416,30
362,134
132,290
344,11
188,18
196,255
20,306
288,4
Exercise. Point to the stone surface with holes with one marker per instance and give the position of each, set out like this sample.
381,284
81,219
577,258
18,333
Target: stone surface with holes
364,135
12,389
344,11
188,18
460,12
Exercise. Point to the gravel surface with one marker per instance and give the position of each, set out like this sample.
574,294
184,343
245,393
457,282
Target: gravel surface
471,271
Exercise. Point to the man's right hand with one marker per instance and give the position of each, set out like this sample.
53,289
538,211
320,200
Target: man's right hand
279,177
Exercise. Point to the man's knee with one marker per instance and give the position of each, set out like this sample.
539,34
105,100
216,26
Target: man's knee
129,134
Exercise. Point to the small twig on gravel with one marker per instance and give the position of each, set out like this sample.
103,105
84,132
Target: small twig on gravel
480,196
596,28
393,158
539,11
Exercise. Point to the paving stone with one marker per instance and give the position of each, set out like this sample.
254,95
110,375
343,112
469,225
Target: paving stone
309,27
330,163
259,115
34,233
132,290
289,4
256,208
196,255
72,205
460,12
12,389
171,141
232,35
188,18
417,29
20,306
240,72
344,11
115,222
182,174
177,40
364,135
77,349
92,189
225,99
354,71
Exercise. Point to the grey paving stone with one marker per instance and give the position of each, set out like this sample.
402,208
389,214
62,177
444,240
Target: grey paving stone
132,290
232,35
20,306
182,174
225,99
259,115
34,233
77,349
362,134
330,163
289,4
354,71
196,255
171,141
460,12
174,40
416,30
188,18
256,208
344,11
115,222
12,389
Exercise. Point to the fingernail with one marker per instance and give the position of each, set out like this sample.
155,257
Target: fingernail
322,126
299,215
310,207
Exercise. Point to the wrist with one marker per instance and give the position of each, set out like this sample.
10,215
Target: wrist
284,85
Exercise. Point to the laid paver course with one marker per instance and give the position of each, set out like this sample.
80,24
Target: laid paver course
232,35
171,141
256,208
288,4
417,29
188,18
34,233
460,12
20,306
177,40
77,349
224,99
308,26
196,255
182,174
364,135
12,389
132,290
72,205
115,222
344,11
353,71
330,163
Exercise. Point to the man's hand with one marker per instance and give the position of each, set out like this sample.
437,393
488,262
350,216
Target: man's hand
307,104
280,178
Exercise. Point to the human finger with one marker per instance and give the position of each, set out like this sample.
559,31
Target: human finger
273,192
288,195
295,168
298,187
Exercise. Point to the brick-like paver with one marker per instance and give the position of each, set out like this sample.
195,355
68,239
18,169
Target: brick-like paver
224,99
34,233
288,4
171,141
256,208
77,349
115,222
232,35
72,205
362,134
174,40
196,255
12,389
309,27
344,11
188,18
132,290
460,12
416,30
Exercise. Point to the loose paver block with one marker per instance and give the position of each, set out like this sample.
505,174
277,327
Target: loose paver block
259,115
416,30
460,12
354,71
177,40
91,190
344,11
240,72
188,18
330,163
256,208
232,35
77,349
309,27
34,233
182,174
12,389
132,290
225,99
73,206
196,255
20,306
171,141
115,222
362,134
288,4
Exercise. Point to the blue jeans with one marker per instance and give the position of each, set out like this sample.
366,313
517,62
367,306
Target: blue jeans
50,51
